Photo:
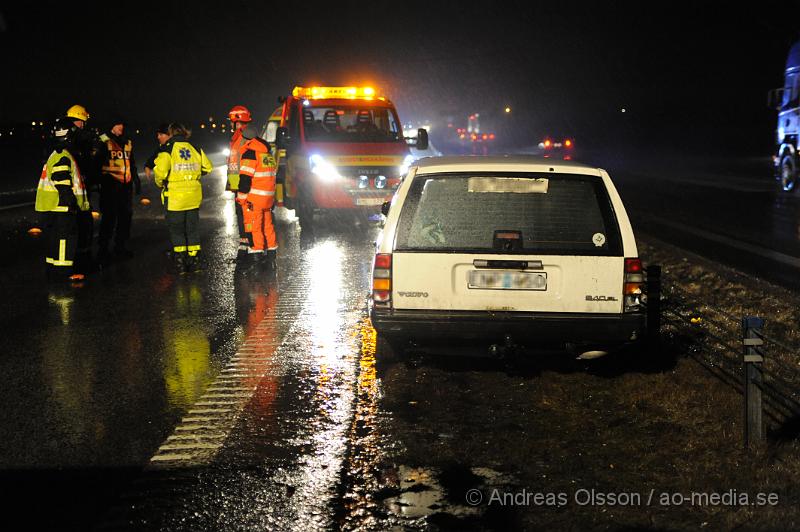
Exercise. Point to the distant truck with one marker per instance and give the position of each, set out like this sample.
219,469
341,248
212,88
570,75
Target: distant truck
786,101
344,150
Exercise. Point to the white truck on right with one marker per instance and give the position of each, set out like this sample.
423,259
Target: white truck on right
786,101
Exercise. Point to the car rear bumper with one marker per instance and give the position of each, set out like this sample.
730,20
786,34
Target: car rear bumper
532,329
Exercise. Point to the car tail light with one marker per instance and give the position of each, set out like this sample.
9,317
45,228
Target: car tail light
632,287
547,144
568,143
382,280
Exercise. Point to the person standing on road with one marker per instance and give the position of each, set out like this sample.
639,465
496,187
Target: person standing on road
162,135
239,116
120,179
257,181
86,150
178,167
61,195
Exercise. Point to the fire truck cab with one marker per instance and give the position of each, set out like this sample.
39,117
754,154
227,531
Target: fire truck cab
344,149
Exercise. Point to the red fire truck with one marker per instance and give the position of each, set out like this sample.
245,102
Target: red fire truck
344,150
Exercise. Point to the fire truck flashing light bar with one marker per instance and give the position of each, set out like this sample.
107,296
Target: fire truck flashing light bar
334,92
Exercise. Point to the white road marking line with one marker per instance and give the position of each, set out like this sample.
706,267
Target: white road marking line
192,437
172,457
192,428
210,420
187,446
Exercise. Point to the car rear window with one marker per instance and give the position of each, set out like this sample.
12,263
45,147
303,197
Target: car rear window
565,214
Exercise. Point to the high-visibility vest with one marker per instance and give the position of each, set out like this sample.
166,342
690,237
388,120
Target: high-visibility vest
118,164
234,158
178,168
259,165
55,173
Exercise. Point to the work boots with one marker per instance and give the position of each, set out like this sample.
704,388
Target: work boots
192,264
181,262
270,258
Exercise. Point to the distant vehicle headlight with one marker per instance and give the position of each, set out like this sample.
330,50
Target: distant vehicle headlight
226,152
323,169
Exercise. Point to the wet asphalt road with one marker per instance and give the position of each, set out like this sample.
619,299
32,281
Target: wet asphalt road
730,210
100,375
236,399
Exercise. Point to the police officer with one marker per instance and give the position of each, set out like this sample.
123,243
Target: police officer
119,180
178,167
61,194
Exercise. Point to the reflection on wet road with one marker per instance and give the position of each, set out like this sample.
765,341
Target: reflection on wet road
266,444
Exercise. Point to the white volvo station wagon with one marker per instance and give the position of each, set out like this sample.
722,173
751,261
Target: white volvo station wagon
507,251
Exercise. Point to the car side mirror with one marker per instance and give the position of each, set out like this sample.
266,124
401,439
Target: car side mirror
282,138
422,139
385,208
775,99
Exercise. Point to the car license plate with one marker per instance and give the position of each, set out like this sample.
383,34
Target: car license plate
369,201
505,280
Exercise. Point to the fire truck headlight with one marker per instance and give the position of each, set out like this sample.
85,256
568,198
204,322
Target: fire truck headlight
323,169
406,163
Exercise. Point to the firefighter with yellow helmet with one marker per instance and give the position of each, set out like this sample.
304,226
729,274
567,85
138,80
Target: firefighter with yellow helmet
86,148
239,116
61,195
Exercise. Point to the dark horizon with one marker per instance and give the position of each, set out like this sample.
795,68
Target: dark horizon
695,74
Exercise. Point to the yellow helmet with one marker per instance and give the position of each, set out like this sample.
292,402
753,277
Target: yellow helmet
78,112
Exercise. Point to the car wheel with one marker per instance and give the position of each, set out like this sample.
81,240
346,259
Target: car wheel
305,212
387,352
788,173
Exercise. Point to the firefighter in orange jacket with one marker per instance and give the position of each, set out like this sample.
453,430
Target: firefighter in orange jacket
239,116
257,183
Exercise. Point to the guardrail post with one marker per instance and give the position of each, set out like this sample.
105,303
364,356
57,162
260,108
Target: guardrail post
653,301
752,359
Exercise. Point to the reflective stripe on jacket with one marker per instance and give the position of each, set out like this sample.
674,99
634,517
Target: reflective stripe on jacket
257,173
178,168
118,164
234,157
60,174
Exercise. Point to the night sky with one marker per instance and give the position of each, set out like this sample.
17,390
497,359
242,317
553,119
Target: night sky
683,74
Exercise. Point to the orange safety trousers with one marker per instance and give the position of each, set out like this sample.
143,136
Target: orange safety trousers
260,198
258,222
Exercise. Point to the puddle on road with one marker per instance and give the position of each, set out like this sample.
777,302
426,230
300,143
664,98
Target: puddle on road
428,491
380,496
